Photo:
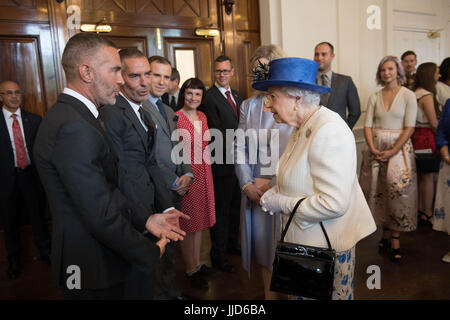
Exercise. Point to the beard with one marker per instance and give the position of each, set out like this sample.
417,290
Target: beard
106,94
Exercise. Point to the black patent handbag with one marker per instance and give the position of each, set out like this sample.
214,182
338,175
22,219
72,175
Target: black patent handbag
302,270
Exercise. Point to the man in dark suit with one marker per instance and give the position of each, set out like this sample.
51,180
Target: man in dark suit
133,133
343,98
409,63
221,108
20,185
170,98
177,177
97,233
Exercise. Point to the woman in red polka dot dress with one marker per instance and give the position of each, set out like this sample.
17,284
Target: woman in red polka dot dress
198,203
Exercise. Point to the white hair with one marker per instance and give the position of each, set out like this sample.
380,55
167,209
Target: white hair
309,97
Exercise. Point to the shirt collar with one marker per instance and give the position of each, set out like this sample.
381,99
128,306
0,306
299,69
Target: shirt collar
88,103
132,104
222,89
153,99
7,114
328,74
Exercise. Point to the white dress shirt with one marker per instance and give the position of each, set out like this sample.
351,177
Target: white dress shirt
224,90
88,103
9,123
135,108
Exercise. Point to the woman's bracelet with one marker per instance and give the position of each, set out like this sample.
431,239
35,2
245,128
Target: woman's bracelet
246,185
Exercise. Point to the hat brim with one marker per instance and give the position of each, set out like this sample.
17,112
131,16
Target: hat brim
266,84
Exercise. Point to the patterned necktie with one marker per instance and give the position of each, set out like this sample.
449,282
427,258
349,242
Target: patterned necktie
160,106
21,154
173,103
324,80
231,102
324,97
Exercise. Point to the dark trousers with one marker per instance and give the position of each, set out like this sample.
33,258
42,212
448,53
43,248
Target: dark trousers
139,285
225,233
113,293
166,287
27,193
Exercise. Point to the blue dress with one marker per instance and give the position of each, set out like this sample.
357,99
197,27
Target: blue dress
259,231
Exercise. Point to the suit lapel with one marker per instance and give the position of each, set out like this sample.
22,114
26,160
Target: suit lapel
221,100
131,115
27,129
4,133
156,116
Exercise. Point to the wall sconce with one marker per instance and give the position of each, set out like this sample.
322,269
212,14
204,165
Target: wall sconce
101,26
228,6
207,32
433,34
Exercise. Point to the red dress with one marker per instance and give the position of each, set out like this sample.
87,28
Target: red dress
199,202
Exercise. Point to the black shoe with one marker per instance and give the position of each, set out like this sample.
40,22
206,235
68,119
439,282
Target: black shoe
197,281
224,267
206,271
424,219
13,269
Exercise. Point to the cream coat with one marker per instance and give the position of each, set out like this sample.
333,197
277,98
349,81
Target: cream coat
320,163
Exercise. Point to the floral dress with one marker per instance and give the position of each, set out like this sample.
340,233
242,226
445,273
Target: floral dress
391,187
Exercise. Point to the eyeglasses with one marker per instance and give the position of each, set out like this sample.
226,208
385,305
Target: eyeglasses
10,93
225,72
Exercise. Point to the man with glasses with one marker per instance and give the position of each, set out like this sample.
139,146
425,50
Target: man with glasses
222,111
20,185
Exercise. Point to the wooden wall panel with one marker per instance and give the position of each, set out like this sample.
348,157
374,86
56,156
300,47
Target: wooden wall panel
24,10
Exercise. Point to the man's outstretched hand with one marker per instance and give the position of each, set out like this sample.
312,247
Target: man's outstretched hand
167,225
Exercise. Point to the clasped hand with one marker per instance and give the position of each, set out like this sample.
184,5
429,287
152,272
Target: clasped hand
183,184
273,202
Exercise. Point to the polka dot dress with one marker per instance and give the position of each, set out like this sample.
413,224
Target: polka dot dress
199,202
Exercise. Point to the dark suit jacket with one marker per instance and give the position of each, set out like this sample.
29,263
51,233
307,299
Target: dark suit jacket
31,124
140,179
94,226
343,95
164,144
221,116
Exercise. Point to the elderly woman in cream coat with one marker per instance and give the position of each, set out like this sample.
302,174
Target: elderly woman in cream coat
318,164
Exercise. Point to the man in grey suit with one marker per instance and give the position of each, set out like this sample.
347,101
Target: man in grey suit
343,98
132,133
177,178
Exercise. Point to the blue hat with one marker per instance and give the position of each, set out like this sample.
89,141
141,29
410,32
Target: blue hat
292,72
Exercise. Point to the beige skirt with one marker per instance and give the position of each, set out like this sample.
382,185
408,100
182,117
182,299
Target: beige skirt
391,187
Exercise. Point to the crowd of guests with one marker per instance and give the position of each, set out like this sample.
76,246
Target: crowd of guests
120,203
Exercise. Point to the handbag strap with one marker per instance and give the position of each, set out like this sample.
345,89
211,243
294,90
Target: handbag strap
290,220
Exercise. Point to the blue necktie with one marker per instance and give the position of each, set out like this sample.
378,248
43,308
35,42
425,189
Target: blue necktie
160,106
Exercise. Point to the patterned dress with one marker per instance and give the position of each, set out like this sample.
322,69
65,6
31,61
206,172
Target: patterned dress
198,203
441,216
391,187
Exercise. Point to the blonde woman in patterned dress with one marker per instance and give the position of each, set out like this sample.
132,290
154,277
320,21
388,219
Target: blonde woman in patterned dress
388,172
